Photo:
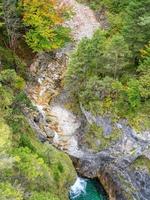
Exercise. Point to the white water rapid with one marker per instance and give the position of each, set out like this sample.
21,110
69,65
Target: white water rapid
78,187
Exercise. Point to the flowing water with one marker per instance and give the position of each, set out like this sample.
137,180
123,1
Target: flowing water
86,189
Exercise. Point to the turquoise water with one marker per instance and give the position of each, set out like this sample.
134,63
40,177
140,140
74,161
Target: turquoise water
85,189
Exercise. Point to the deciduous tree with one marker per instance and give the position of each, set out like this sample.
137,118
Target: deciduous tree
44,22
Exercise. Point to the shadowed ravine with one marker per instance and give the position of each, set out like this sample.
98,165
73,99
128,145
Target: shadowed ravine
63,125
55,123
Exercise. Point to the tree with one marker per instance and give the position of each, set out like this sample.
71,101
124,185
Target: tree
115,6
133,94
137,26
144,70
10,84
31,166
144,66
144,81
44,21
116,55
12,80
86,61
1,14
12,21
103,55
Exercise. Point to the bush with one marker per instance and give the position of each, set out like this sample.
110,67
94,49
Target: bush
9,192
44,20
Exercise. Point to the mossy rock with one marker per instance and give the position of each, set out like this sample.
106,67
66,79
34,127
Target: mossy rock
127,187
96,140
141,163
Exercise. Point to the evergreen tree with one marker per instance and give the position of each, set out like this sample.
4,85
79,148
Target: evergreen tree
12,22
116,55
137,26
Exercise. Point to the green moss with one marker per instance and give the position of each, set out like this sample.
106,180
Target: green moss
95,139
141,163
127,187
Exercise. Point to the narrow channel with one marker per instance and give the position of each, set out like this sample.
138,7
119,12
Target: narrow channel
87,189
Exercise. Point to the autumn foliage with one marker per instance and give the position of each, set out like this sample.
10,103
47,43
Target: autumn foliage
44,21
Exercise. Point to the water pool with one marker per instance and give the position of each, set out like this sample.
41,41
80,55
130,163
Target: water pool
87,189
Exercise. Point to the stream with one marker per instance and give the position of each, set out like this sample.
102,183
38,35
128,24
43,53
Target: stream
87,189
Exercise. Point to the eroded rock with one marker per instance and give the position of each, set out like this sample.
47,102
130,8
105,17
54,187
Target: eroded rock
115,164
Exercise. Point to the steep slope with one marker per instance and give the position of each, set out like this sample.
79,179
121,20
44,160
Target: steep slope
118,160
49,71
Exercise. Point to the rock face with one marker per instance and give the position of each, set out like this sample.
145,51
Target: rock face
47,71
123,164
84,23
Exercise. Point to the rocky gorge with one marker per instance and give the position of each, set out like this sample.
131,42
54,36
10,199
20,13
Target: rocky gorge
123,162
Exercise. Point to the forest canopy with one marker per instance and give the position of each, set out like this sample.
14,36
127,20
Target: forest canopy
40,23
109,74
29,169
